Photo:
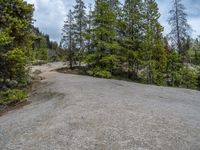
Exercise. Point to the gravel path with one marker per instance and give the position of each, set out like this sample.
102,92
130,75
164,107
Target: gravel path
71,112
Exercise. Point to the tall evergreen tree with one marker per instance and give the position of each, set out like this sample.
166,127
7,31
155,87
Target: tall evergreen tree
87,34
132,35
104,35
68,38
16,38
179,25
114,5
80,26
153,44
174,66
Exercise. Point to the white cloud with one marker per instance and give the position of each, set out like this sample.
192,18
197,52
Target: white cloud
50,14
195,24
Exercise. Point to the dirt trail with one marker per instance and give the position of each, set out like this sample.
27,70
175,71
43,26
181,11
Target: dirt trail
71,112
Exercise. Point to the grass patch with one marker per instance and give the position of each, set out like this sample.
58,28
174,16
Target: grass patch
97,72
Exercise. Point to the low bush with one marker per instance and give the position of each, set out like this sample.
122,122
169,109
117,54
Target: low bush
16,67
11,96
97,72
189,78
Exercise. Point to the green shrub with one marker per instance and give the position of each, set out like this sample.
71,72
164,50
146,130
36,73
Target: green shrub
12,96
16,68
97,72
5,38
90,72
41,54
89,59
189,78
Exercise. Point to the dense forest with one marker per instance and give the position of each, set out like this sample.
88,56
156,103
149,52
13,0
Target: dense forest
127,41
109,40
44,49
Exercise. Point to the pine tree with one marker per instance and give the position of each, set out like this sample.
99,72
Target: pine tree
189,77
87,34
40,45
179,25
68,38
153,45
104,38
16,37
80,26
16,19
186,46
114,6
132,35
174,66
167,45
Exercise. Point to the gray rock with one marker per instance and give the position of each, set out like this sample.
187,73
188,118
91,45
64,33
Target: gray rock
37,72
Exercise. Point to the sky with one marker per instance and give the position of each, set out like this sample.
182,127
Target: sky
50,15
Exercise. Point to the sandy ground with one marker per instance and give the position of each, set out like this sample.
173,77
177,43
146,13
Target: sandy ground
71,112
